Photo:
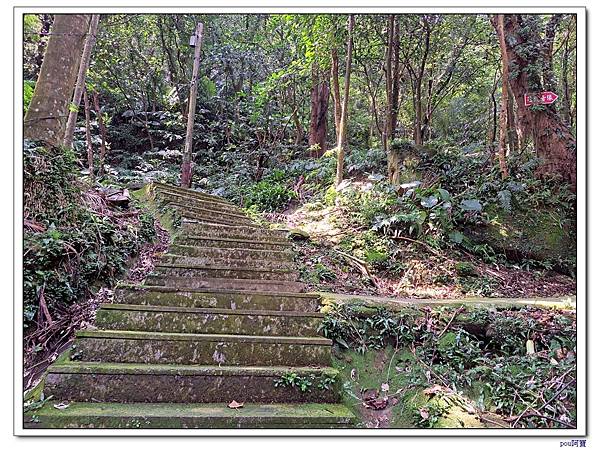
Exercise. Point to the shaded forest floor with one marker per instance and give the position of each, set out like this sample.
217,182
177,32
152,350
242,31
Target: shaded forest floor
417,270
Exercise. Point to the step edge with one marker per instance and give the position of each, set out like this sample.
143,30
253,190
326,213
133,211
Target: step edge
112,368
219,291
219,311
169,336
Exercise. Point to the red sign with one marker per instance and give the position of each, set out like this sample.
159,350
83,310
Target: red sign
540,98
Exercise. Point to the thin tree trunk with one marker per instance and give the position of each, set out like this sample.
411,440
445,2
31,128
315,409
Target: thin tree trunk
418,97
88,135
186,166
566,100
335,84
505,94
102,134
511,122
494,113
344,119
46,117
80,84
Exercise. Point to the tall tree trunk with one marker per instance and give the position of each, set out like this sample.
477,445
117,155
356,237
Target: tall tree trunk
319,103
335,84
102,133
46,22
80,84
47,114
342,139
88,135
186,165
504,108
553,140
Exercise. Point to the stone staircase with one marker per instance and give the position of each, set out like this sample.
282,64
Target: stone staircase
222,318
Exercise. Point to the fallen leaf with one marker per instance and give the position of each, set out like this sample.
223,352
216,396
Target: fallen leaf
424,413
235,405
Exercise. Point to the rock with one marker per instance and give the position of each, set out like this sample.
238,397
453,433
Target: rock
298,234
541,234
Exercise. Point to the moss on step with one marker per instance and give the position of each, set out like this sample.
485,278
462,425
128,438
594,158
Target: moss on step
205,415
206,349
242,322
169,218
144,295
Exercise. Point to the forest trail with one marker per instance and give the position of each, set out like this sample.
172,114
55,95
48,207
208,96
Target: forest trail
222,321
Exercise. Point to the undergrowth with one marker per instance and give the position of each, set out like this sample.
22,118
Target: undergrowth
518,363
74,239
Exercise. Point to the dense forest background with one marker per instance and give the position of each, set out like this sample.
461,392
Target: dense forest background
398,147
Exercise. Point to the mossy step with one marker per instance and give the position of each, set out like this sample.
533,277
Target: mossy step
167,296
232,231
187,210
172,319
215,218
198,202
236,284
222,260
191,415
155,383
231,253
161,187
223,242
203,349
225,271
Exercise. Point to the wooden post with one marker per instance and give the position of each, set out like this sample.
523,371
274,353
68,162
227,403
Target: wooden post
186,166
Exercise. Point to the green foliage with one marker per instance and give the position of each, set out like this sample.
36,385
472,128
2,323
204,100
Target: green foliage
270,194
479,353
305,383
74,242
28,87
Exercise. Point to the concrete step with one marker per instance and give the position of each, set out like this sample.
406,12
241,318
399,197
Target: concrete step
156,383
189,210
231,253
191,415
230,284
168,296
215,218
174,319
161,187
197,202
203,229
203,349
221,242
225,271
224,261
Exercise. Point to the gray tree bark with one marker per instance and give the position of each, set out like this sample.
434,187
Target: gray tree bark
47,114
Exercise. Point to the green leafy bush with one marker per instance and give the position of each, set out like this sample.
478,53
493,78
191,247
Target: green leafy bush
72,240
270,194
